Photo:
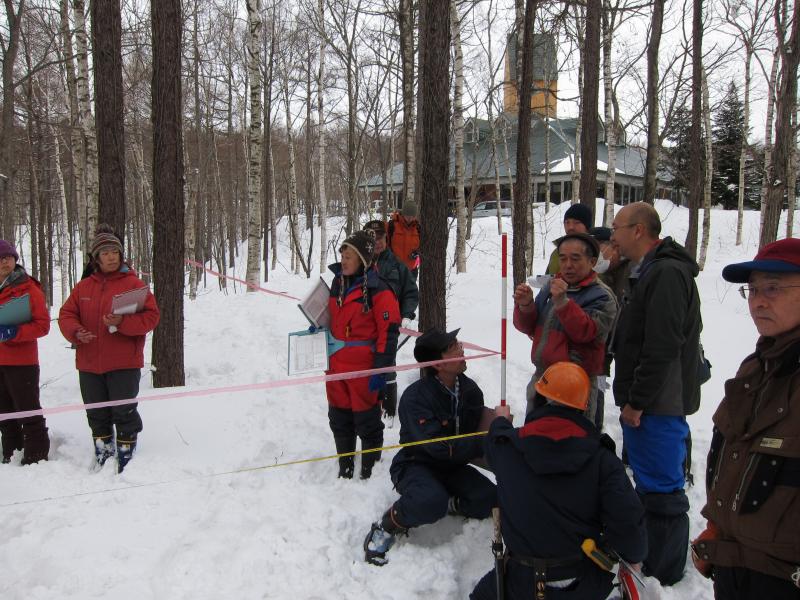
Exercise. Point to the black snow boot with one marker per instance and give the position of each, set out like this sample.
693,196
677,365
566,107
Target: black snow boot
368,459
37,443
667,535
346,463
126,444
389,398
103,449
381,538
12,438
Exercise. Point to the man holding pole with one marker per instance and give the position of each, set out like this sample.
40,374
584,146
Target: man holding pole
559,484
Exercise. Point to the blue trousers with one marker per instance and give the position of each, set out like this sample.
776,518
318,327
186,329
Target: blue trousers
425,492
656,453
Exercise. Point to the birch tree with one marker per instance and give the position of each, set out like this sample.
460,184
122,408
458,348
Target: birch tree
458,139
709,172
321,146
653,137
254,145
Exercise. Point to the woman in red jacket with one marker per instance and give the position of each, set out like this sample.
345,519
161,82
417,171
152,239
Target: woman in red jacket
19,362
365,316
110,348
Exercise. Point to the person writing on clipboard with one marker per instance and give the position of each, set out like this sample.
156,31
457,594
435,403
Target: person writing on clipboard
110,347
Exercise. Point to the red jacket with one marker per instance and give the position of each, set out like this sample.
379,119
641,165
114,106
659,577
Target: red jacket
89,301
23,349
403,239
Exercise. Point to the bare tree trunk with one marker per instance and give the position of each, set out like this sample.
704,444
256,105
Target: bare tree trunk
88,206
791,180
11,48
109,99
294,230
695,135
254,145
709,166
611,124
576,166
653,138
168,227
406,25
745,147
768,147
321,150
589,95
434,90
522,200
458,140
61,226
785,105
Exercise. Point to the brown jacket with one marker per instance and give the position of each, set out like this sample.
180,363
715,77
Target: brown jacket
753,474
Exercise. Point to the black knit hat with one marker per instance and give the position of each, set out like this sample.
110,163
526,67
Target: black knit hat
580,212
105,239
377,226
363,242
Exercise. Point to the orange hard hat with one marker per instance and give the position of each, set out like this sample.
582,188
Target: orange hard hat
565,383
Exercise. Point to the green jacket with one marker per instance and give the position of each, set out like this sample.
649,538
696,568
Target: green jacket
399,278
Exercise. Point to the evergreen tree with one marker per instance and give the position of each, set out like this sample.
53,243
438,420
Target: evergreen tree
727,135
675,158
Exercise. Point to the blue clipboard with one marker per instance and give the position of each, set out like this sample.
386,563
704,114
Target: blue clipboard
16,311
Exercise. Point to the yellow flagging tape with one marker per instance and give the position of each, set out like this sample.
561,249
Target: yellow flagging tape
249,469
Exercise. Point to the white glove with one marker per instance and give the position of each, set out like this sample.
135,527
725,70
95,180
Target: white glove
406,322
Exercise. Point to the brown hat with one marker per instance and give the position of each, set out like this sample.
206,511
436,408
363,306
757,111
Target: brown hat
363,242
591,243
377,226
105,239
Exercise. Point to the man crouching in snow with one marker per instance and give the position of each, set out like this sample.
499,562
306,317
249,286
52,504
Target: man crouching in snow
436,479
559,483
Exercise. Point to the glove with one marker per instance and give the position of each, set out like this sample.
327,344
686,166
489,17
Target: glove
406,322
377,382
699,557
7,332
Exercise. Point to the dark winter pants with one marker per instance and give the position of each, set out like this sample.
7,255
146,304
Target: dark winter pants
122,384
667,527
366,424
19,390
738,583
425,493
591,584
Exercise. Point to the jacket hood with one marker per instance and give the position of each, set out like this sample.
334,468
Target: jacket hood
16,277
556,440
669,248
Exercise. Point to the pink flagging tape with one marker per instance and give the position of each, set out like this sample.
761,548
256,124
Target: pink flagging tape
194,263
238,388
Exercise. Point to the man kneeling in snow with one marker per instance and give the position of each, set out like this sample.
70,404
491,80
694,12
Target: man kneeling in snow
436,479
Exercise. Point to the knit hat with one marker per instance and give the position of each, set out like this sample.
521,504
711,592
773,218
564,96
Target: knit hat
601,234
7,249
409,209
104,239
580,212
377,226
782,256
594,247
363,242
433,343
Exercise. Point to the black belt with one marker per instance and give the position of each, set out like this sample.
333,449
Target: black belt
549,569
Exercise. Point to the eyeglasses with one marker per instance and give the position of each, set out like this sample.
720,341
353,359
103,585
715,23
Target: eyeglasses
769,291
614,228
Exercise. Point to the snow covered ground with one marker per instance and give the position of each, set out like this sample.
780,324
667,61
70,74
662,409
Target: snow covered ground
198,515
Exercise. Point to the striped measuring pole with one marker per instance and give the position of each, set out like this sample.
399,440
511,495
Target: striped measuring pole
503,312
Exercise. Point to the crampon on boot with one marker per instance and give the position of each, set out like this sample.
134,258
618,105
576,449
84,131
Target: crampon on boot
103,449
381,538
126,444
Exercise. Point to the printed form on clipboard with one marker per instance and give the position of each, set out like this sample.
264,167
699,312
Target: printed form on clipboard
130,302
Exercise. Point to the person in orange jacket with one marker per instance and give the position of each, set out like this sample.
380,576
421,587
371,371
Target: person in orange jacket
365,316
19,362
110,348
403,236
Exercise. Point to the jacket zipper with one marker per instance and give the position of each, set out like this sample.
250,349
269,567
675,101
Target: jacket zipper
719,464
750,462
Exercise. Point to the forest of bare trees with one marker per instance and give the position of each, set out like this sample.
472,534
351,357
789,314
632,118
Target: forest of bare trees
283,110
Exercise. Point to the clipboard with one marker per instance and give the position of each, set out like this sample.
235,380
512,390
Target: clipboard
130,302
314,305
16,311
310,351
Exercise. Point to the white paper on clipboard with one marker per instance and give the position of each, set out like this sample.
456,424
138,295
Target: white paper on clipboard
315,305
130,302
308,352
